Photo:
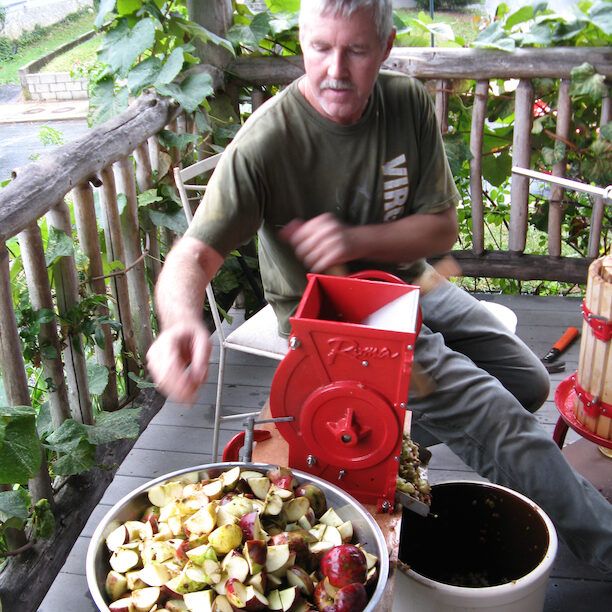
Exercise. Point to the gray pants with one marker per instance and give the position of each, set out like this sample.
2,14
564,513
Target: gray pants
488,384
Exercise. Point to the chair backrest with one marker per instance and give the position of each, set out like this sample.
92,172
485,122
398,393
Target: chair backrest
180,176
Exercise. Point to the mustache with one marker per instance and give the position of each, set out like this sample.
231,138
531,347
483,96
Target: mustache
336,84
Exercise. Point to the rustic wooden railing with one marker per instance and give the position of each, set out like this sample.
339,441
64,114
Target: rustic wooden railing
120,156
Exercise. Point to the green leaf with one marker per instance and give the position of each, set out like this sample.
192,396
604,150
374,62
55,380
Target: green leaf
14,504
59,245
191,92
97,377
123,45
283,6
121,202
113,426
175,221
127,7
106,101
43,520
148,197
197,31
171,68
496,168
44,424
170,139
20,455
457,151
601,16
525,13
494,37
606,131
144,74
66,437
106,6
586,82
141,383
81,458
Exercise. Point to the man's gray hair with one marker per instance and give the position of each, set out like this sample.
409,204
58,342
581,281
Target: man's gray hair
382,11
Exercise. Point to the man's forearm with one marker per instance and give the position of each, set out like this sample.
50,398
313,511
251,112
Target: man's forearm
181,287
408,239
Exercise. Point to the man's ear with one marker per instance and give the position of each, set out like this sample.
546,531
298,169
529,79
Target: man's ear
389,43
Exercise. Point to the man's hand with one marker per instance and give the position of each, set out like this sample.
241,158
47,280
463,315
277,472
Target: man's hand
178,360
320,243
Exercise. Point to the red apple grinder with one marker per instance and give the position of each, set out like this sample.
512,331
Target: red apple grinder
339,395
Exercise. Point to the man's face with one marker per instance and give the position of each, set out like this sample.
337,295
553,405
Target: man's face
342,57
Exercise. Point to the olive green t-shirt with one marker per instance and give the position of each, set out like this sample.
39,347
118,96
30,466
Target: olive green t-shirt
288,162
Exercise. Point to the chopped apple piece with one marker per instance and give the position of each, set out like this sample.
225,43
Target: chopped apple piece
274,600
225,538
154,574
331,518
213,489
238,506
134,529
296,508
230,478
115,585
203,521
371,560
332,534
346,531
251,527
124,559
199,601
235,566
298,577
260,486
144,599
277,557
201,553
236,593
274,505
255,553
255,600
221,604
318,531
246,474
117,537
259,581
176,605
122,605
134,581
290,598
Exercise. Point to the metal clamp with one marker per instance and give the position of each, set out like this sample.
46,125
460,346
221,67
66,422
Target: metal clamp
602,327
592,404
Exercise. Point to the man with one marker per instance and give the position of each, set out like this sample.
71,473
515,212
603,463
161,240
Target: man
347,166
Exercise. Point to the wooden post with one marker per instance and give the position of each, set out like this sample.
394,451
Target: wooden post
37,278
87,230
16,386
67,292
479,113
216,16
521,156
119,286
555,206
137,283
598,202
144,180
442,104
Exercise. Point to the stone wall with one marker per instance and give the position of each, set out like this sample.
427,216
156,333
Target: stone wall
54,86
24,15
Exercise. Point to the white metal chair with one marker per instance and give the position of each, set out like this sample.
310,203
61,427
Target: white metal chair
258,335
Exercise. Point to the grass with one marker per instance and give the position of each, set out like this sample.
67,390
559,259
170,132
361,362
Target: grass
58,35
76,58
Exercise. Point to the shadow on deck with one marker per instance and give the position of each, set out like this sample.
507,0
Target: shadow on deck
180,437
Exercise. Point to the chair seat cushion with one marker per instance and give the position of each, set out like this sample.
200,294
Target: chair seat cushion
259,335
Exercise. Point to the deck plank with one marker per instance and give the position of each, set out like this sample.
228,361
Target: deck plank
180,436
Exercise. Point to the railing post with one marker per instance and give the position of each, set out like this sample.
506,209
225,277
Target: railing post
16,385
521,156
87,231
137,284
67,292
119,286
555,206
442,104
479,113
598,201
37,278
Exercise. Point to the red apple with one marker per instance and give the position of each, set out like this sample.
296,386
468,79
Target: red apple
255,552
322,599
344,565
351,598
282,477
251,527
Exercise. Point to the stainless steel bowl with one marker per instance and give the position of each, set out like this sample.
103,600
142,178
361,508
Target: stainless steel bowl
366,530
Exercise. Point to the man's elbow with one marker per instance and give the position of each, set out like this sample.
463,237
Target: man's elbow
450,230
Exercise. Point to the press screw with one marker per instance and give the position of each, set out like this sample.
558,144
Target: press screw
341,474
397,458
364,363
409,347
294,343
346,438
403,405
386,506
311,460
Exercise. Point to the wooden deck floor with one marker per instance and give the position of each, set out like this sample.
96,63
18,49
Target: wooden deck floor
181,436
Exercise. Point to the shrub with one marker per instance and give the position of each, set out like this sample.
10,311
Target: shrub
443,5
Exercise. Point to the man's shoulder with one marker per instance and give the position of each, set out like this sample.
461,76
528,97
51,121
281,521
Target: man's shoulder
393,82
